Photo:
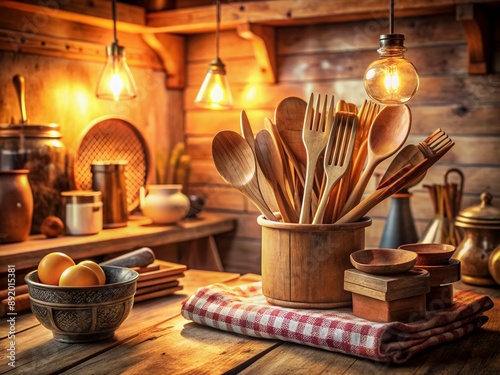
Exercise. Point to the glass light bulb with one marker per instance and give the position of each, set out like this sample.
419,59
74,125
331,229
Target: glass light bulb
116,81
214,92
391,80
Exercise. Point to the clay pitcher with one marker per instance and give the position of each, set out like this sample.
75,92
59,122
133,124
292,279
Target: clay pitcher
16,206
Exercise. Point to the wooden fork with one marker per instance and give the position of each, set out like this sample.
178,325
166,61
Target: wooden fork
433,143
315,136
393,186
411,155
338,154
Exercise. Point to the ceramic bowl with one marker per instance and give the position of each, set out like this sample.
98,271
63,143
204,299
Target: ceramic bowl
430,254
84,314
383,261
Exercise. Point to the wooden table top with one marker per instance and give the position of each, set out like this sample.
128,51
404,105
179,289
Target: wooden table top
156,339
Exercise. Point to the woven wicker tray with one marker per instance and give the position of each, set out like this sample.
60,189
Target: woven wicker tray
113,139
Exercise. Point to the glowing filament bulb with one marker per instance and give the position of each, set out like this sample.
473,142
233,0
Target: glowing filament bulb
391,80
116,85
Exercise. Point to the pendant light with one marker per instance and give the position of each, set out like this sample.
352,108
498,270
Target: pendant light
391,80
215,92
116,81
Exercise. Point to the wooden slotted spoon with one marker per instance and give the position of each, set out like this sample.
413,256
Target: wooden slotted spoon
235,162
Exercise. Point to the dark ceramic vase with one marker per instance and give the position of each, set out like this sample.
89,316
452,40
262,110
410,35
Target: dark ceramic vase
399,228
16,206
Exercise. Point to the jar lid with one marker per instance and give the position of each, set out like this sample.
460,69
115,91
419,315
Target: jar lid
483,216
81,196
30,131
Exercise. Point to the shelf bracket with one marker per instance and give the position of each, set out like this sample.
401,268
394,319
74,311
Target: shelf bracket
171,51
263,39
476,25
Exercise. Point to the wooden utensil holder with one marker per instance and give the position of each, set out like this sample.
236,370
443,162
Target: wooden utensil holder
388,298
303,264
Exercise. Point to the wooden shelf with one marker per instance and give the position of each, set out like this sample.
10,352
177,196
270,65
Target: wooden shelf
255,20
138,233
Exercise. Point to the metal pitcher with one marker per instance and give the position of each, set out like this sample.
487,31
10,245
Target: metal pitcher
108,177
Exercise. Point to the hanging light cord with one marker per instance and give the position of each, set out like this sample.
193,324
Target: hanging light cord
113,4
391,17
217,27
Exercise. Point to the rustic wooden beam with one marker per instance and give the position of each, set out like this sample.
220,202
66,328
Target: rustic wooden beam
171,51
264,45
477,30
130,18
293,12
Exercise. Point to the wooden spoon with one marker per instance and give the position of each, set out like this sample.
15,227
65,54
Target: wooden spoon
294,184
235,162
388,133
289,120
264,186
270,162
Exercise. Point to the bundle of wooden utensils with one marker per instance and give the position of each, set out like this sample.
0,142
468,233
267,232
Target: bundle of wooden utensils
313,163
446,200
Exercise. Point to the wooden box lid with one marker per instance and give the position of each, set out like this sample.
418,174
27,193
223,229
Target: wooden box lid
387,287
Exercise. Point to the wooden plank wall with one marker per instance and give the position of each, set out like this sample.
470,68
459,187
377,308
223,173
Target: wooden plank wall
61,61
331,59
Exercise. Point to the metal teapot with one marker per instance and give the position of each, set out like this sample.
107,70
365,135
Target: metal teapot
481,225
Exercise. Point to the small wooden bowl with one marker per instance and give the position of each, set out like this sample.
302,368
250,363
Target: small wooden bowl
430,254
443,274
383,261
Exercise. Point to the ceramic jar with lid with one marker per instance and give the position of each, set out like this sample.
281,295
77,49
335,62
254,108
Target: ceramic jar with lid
481,226
82,214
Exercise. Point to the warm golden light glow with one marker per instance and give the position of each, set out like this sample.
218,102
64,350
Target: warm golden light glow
116,81
391,80
251,92
116,84
214,92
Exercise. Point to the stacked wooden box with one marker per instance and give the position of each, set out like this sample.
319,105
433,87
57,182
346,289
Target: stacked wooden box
158,279
387,298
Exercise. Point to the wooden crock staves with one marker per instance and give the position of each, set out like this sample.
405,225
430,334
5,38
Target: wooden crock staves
303,264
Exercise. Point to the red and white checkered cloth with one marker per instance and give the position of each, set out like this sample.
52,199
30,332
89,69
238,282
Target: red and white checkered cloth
244,310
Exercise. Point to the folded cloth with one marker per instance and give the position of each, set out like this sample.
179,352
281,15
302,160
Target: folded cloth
244,310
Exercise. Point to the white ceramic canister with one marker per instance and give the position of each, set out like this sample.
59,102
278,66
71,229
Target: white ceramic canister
82,212
164,204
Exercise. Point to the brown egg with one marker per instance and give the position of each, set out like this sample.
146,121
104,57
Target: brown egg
52,266
78,275
97,270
